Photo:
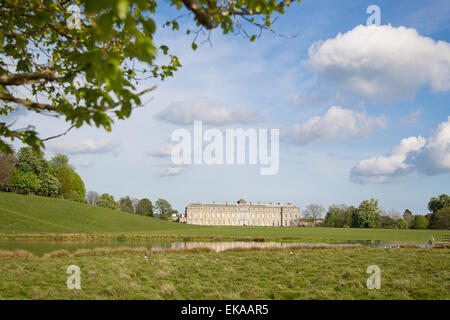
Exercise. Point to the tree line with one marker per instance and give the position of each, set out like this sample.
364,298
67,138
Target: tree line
161,209
369,215
29,172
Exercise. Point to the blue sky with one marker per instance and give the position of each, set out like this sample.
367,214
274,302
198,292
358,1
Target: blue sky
343,108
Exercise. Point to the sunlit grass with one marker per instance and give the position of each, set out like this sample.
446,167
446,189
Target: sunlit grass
281,274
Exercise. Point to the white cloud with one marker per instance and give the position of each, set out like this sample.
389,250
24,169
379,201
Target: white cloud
388,168
414,155
208,111
86,146
336,124
435,158
382,63
411,118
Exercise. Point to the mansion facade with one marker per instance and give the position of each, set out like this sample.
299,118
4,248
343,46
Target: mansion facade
243,214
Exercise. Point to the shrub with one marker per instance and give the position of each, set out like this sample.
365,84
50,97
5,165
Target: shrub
26,181
401,224
420,222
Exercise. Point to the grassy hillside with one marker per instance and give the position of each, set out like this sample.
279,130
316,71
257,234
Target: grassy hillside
32,214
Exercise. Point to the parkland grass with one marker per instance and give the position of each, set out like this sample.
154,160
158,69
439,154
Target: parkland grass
261,274
21,214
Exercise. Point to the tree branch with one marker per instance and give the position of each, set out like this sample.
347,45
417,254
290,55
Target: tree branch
27,103
201,14
59,135
27,77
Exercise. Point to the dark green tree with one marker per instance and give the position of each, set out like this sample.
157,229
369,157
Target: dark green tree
144,207
163,208
7,166
442,219
436,204
387,222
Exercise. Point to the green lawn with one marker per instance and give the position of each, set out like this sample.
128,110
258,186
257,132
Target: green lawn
33,214
302,274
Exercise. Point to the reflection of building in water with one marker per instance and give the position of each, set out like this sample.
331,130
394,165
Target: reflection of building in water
243,214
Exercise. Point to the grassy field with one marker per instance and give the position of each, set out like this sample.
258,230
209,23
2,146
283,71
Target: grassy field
282,274
33,214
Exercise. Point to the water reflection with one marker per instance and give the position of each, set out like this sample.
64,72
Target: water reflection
39,248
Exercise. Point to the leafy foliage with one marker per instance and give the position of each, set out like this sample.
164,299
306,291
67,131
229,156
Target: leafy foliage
64,177
87,65
401,224
78,187
420,222
387,222
439,219
106,201
33,173
438,203
144,207
163,209
49,184
7,166
367,215
126,204
339,216
26,181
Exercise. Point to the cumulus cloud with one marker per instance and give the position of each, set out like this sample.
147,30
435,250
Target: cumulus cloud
87,146
336,124
382,63
208,111
413,156
388,168
435,158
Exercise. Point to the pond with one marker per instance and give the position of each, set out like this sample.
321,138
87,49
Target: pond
40,247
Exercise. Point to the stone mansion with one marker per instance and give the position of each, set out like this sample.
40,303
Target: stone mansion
243,214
